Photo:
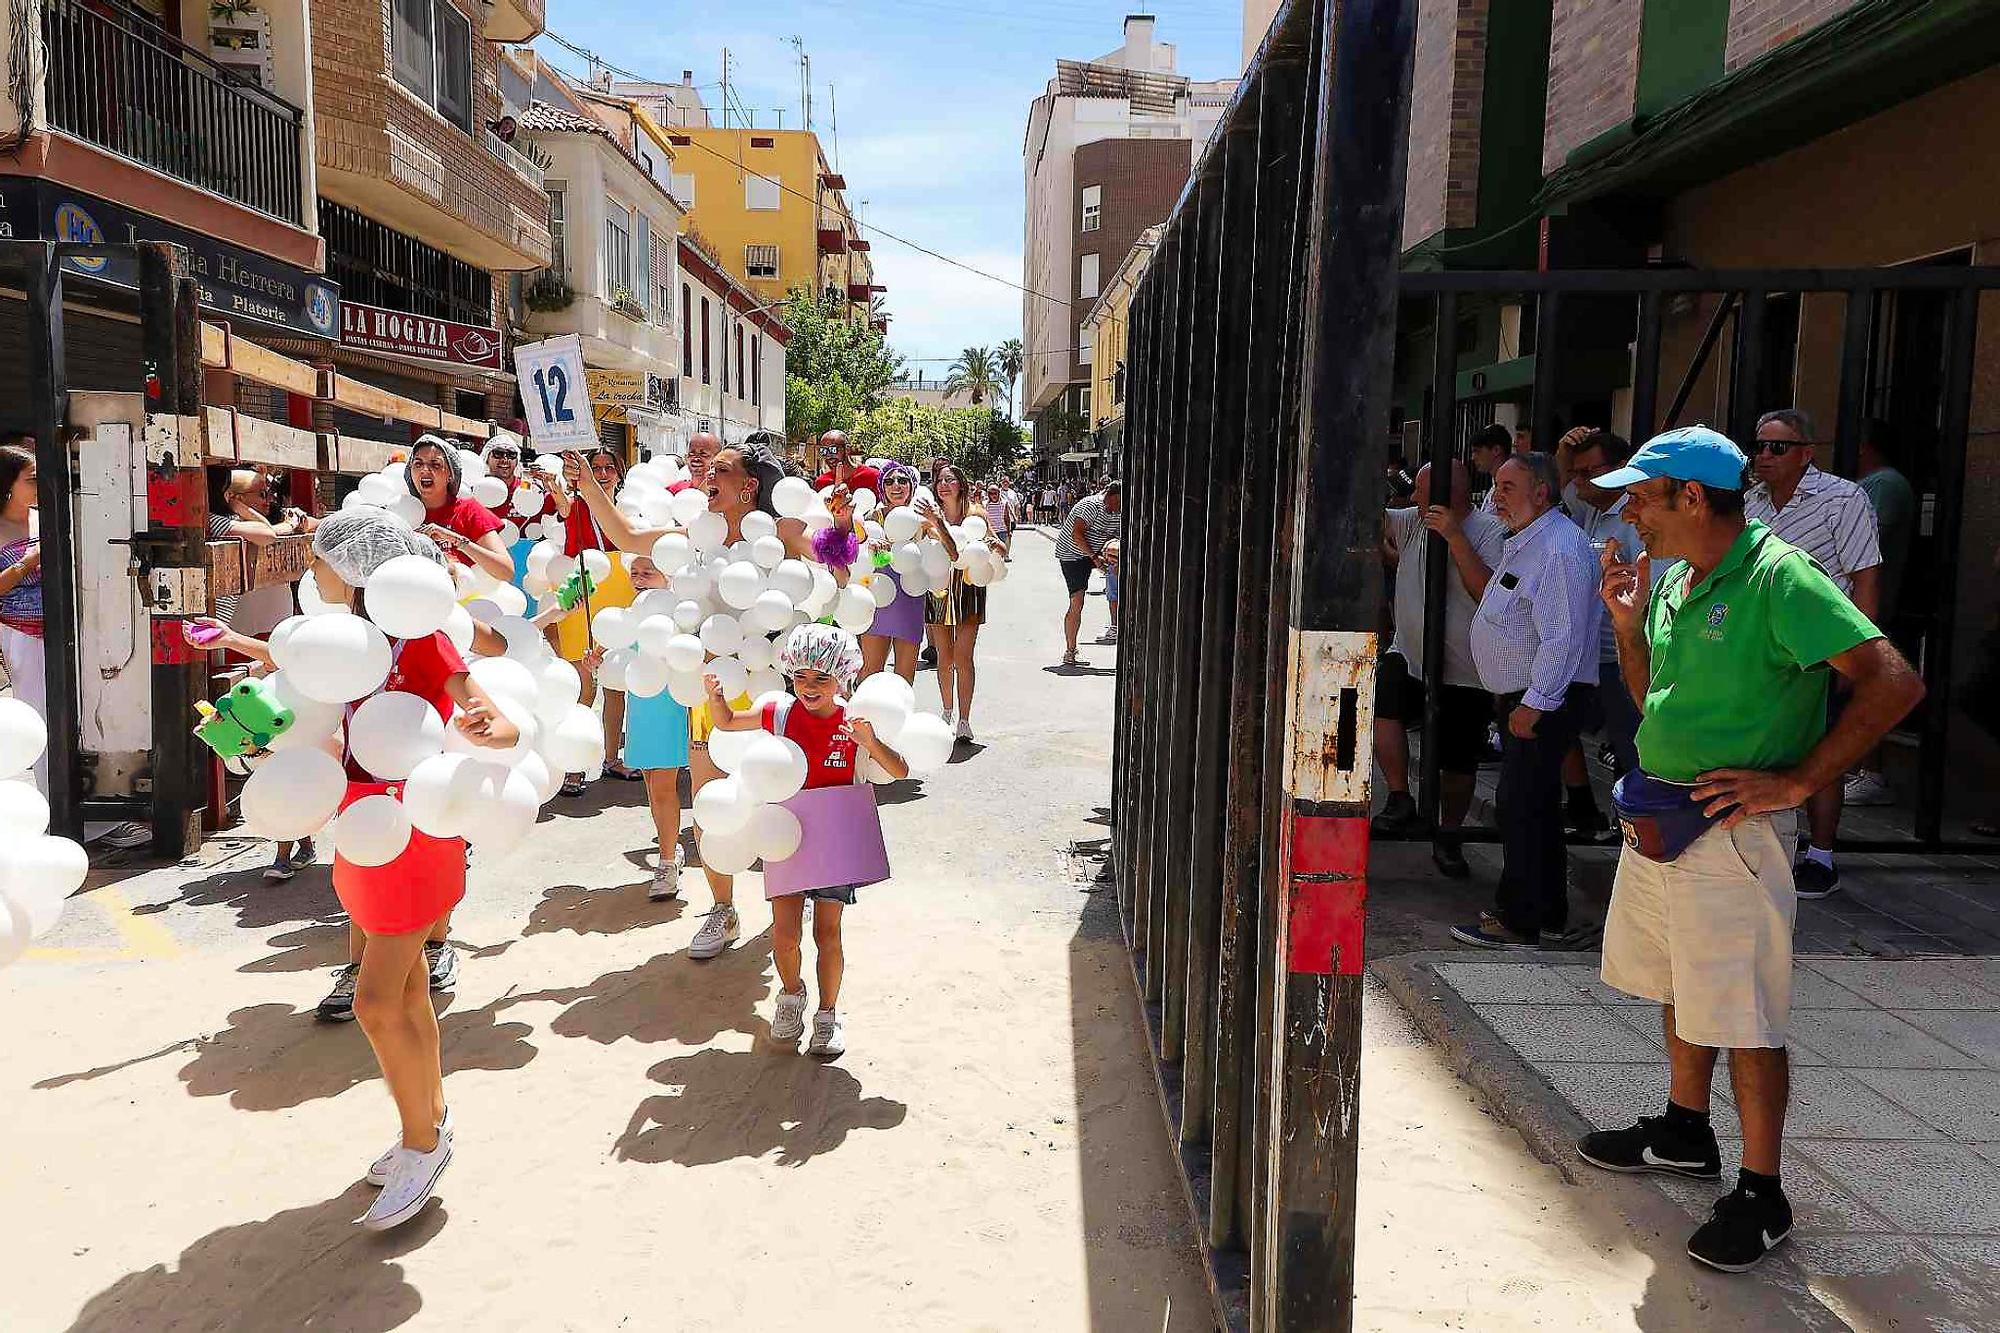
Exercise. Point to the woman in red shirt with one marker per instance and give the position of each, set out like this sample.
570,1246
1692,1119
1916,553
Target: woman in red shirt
461,526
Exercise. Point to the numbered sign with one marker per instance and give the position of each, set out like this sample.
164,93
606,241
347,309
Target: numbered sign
555,395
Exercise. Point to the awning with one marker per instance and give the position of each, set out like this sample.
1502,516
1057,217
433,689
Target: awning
1078,456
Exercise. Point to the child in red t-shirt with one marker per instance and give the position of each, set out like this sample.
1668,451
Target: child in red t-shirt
817,659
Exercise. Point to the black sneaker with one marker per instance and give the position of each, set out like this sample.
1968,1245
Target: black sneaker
1813,880
1654,1145
1399,817
1588,822
338,1006
1449,858
443,960
1743,1229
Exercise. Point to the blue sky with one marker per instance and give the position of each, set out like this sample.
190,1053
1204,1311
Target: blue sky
933,100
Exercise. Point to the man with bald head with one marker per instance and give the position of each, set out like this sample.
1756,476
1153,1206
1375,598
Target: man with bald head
1474,540
836,455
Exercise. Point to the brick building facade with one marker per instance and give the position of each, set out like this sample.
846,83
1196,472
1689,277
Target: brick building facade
1138,181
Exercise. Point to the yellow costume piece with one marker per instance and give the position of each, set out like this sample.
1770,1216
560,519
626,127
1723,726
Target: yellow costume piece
572,631
699,725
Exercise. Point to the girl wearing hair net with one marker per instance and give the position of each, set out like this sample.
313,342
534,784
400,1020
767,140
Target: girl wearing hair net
394,907
819,660
739,479
458,523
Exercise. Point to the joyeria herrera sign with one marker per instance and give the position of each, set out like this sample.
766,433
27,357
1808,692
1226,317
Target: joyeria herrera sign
370,328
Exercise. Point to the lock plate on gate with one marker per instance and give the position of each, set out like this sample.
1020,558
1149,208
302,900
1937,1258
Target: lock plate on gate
175,591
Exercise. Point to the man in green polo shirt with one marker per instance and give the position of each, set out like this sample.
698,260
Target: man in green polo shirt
1729,657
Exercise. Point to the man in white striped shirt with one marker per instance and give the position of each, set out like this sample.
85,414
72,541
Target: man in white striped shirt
1534,640
1830,519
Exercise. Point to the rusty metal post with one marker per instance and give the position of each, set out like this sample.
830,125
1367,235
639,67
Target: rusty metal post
1350,319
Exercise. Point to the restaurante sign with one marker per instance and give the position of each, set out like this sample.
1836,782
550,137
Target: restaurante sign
370,328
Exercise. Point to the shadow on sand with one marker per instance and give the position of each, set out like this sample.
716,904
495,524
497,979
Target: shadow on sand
607,911
722,1105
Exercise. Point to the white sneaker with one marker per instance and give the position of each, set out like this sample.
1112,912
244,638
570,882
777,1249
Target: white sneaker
964,731
788,1021
721,929
413,1178
666,885
378,1170
946,715
1866,788
829,1038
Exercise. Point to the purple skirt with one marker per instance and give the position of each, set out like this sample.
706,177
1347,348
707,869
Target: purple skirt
901,619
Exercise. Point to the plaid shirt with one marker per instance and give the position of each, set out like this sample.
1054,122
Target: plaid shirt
1828,517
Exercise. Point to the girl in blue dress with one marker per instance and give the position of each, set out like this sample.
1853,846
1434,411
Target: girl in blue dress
656,744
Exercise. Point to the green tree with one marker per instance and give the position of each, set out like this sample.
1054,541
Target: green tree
835,367
976,372
979,439
1011,358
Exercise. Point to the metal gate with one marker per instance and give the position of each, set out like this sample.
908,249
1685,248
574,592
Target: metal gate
1261,348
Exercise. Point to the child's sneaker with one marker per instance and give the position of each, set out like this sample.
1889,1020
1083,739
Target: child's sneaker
788,1022
829,1038
666,885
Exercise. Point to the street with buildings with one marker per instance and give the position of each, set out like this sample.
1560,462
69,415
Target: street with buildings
1469,526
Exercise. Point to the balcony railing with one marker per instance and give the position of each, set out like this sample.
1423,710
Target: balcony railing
524,166
118,80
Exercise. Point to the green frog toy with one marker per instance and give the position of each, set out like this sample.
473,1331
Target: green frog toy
245,720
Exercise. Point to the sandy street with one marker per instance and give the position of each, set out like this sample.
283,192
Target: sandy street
633,1152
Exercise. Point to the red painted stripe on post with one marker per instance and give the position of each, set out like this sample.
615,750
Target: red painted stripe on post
1327,882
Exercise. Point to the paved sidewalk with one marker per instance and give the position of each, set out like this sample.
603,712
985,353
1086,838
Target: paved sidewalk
1893,1147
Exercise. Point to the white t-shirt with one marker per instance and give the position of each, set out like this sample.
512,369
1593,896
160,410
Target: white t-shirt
1488,536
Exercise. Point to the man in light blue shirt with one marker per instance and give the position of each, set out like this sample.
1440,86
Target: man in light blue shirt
1535,640
1601,516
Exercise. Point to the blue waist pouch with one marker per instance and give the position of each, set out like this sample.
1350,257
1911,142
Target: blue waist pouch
1659,819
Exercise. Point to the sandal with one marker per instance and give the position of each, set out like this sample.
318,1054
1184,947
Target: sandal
622,773
571,787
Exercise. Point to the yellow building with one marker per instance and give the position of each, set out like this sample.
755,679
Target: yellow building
773,211
1103,337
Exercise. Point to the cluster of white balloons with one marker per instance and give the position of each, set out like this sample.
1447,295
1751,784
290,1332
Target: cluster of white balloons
451,787
921,560
38,872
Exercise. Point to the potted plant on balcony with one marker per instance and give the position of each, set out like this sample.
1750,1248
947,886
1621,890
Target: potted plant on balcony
623,302
548,292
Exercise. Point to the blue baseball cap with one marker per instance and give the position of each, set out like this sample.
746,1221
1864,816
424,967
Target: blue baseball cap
1691,453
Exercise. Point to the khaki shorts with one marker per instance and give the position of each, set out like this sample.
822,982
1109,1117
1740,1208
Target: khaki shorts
1711,933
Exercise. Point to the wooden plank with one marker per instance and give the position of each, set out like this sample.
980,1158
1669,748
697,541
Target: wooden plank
218,434
368,400
214,347
263,366
261,441
357,457
283,561
225,568
452,424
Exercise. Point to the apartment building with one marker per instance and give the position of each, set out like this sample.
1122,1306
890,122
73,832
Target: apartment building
1109,145
1106,332
732,371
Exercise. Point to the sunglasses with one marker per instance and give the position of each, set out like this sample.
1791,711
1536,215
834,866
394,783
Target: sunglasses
507,454
1776,448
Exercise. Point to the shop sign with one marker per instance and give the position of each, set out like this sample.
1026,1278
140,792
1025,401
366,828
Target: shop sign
614,391
234,282
370,328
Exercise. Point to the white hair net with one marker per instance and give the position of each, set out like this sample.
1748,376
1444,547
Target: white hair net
454,465
503,439
356,542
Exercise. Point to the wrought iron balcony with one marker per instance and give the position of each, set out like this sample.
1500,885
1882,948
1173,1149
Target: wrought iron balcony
118,80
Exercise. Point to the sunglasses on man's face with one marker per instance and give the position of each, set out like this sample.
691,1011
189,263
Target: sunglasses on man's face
1776,448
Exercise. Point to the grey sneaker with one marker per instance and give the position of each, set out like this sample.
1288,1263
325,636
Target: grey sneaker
788,1022
829,1039
280,869
444,965
338,1006
721,929
666,885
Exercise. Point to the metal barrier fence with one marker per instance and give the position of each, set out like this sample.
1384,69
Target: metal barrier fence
1261,348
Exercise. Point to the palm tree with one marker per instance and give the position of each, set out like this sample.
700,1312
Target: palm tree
1011,358
976,372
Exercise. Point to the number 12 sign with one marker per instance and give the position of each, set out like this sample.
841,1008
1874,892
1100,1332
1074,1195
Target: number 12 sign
554,395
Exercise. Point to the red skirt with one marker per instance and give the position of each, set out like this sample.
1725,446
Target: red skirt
409,893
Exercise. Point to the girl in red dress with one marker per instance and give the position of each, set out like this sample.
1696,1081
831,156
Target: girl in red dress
818,659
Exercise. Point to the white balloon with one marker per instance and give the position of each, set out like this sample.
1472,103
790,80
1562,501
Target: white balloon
978,569
540,555
729,853
39,875
557,688
925,743
614,628
792,497
881,590
731,675
689,505
510,532
775,833
527,501
458,627
645,676
543,776
763,682
908,558
977,528
936,560
490,491
757,525
726,748
293,793
597,564
524,642
709,531
771,612
773,769
510,599
373,831
656,509
24,735
794,578
392,733
471,466
502,808
688,616
408,508
312,720
722,807
504,677
999,570
576,743
24,811
611,671
672,553
520,714
824,590
756,651
560,568
688,690
484,610
885,707
336,659
767,552
739,585
854,610
864,501
902,525
693,584
684,653
721,634
655,633
429,795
